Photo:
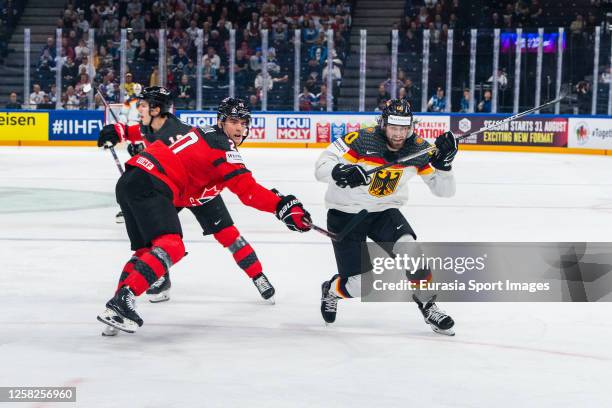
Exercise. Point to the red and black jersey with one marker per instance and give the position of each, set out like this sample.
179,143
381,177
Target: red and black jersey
202,162
172,129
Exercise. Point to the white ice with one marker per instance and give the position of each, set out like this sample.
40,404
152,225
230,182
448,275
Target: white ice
217,344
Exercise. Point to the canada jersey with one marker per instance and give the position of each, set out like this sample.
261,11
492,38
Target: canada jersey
388,188
172,130
201,161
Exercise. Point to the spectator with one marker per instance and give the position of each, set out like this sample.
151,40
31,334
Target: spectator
382,97
241,68
36,97
190,70
209,73
142,54
70,99
255,60
211,55
108,88
81,50
180,61
484,105
321,98
53,94
465,101
584,96
80,87
13,103
130,87
184,94
437,103
336,73
306,100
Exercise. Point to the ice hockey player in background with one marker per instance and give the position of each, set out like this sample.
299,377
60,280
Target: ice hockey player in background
163,177
209,209
344,164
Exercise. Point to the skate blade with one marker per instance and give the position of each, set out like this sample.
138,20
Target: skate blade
120,220
109,331
109,317
271,300
447,332
159,297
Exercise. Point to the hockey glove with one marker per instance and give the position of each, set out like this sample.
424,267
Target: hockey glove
446,146
108,136
291,211
351,175
135,148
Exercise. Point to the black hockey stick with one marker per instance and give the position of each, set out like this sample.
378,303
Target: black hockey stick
111,148
357,218
432,149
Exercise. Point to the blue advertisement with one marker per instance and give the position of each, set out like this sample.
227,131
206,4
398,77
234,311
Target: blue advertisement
337,131
75,124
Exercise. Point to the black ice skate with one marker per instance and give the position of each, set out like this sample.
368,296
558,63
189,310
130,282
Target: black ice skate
439,321
119,218
160,290
329,302
121,311
265,288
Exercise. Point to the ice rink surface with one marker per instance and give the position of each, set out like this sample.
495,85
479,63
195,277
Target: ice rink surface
217,344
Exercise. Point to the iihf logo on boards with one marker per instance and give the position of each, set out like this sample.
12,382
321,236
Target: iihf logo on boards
292,128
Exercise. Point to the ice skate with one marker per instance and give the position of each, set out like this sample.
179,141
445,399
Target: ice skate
119,218
329,302
121,311
437,319
160,290
265,288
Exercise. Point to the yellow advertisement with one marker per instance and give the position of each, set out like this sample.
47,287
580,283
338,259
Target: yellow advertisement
26,126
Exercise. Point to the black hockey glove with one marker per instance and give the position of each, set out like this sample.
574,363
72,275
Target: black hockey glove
108,134
291,211
351,175
447,149
135,148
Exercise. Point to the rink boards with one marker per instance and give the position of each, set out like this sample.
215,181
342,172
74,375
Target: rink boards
548,133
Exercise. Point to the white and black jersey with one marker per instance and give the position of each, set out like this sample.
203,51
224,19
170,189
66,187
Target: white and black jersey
388,188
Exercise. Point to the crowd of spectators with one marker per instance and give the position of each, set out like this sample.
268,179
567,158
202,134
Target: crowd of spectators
181,20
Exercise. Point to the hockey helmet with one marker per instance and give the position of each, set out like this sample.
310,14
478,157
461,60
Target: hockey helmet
157,97
235,108
396,112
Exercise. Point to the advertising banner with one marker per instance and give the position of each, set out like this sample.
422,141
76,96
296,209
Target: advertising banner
538,131
75,125
26,126
590,133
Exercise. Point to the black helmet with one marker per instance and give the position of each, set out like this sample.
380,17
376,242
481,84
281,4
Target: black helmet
235,108
396,112
157,97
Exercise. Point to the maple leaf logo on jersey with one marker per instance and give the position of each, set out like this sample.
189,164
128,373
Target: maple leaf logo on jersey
208,194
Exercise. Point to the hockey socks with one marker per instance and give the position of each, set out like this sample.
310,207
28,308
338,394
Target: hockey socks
241,250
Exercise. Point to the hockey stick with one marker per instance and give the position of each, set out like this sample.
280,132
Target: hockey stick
357,218
86,89
431,149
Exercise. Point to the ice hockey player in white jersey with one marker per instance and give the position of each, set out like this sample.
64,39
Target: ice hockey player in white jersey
343,165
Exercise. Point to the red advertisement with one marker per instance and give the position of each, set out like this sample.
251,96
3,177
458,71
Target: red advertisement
323,132
352,127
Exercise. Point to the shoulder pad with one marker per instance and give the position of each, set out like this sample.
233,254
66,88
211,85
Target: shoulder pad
215,139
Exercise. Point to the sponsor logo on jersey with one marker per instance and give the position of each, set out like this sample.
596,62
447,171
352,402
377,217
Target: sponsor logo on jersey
323,132
145,163
233,157
341,146
582,133
385,182
292,128
352,127
258,128
337,131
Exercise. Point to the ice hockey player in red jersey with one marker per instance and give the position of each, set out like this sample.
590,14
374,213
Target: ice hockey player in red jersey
209,209
163,177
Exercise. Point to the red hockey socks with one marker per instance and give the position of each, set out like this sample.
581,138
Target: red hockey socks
147,265
241,250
